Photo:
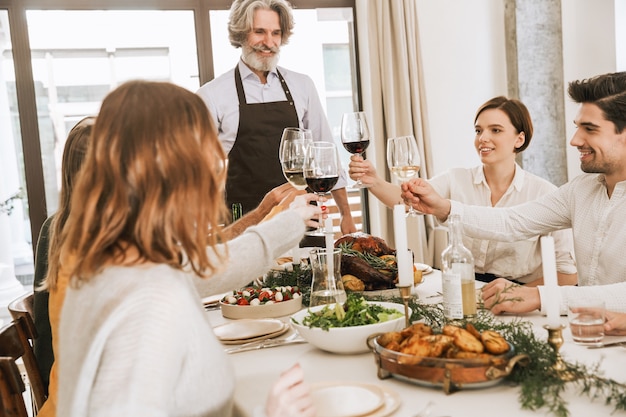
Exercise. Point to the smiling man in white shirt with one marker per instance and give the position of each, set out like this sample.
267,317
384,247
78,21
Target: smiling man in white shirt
255,101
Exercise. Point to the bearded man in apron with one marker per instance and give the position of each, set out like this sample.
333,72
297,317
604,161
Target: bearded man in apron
255,101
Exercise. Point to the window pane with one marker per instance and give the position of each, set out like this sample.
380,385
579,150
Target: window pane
337,56
16,256
88,54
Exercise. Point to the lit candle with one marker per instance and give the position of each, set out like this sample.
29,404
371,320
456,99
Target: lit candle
328,234
402,250
551,290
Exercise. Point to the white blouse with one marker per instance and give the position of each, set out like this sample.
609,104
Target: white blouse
519,260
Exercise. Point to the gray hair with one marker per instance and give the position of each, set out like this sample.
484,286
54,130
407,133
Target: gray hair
242,17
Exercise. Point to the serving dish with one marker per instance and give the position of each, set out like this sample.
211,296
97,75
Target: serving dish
284,308
256,303
346,340
449,374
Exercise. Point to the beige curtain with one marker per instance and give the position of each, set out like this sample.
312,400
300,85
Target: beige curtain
393,95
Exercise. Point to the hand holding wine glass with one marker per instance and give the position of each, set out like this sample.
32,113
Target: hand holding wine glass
403,158
355,136
321,172
293,144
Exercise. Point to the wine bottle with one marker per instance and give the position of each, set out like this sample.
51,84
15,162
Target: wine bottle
237,211
459,293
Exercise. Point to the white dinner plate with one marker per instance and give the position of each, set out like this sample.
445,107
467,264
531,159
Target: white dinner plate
392,402
214,299
426,269
257,338
245,329
347,399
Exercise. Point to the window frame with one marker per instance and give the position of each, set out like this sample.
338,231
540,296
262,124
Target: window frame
25,88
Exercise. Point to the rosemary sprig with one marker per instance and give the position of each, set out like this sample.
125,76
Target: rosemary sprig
502,296
374,261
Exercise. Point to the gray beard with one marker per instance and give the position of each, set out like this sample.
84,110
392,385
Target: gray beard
259,64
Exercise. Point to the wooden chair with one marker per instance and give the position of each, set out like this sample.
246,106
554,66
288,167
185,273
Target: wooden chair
21,310
11,385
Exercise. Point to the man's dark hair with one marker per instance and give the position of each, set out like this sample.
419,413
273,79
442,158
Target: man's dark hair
608,92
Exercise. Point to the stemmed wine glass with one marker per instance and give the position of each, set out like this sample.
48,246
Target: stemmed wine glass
403,158
355,136
293,144
321,172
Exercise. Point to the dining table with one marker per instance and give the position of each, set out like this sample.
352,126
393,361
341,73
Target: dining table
257,370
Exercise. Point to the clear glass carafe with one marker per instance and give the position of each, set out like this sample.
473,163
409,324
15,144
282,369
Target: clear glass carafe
326,288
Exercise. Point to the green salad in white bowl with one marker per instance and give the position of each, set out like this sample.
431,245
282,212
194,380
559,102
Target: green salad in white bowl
344,328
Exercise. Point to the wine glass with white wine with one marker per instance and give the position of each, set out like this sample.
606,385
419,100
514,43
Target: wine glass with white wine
293,144
403,158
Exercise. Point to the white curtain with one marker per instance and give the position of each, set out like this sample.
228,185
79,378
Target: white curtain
393,95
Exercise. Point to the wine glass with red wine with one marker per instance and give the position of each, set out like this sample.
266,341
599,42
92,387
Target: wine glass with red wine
321,172
355,136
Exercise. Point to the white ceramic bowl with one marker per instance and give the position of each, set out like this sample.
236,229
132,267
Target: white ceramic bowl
346,340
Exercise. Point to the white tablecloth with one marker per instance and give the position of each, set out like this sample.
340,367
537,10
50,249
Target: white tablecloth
257,370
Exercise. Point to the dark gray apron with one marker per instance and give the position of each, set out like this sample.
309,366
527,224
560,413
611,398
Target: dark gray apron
253,162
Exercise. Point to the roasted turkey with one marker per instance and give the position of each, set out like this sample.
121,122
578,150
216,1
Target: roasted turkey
364,243
356,266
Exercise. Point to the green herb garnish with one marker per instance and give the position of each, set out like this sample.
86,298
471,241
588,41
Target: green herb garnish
356,311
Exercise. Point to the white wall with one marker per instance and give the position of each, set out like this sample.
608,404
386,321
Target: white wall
620,34
589,40
463,54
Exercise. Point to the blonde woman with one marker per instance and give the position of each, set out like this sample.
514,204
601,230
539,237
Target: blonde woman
133,337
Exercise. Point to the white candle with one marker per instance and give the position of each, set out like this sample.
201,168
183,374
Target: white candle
330,246
551,291
399,229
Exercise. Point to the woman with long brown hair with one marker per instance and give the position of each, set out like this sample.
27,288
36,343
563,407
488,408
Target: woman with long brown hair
144,227
74,152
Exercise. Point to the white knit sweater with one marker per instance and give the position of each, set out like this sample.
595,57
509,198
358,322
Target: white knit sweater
135,341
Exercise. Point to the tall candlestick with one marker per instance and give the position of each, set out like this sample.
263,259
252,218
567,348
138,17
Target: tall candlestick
328,234
402,254
551,290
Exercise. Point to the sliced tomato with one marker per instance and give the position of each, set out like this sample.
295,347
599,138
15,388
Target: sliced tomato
242,302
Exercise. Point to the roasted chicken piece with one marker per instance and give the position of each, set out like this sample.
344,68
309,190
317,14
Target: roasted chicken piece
494,342
418,328
386,339
466,341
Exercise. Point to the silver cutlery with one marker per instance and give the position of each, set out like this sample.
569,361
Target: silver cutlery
212,306
267,343
612,344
